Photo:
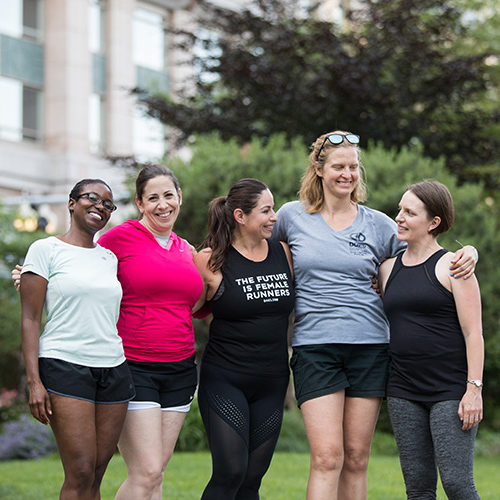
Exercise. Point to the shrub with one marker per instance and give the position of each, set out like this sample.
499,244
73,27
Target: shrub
384,444
26,438
12,406
487,443
293,436
192,436
216,165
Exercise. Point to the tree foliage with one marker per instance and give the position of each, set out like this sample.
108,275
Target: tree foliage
13,248
217,164
395,71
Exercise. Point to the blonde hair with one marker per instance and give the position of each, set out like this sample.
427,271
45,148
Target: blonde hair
311,188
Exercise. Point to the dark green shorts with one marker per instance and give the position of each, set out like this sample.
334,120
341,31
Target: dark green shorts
321,369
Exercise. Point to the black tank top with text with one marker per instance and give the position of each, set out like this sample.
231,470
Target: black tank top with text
250,311
428,357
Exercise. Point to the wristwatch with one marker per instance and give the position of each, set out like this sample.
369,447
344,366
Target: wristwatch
477,383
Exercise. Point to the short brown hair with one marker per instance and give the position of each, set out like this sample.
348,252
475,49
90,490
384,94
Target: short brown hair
311,188
438,202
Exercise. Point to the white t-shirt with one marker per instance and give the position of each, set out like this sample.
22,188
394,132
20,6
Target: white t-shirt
82,301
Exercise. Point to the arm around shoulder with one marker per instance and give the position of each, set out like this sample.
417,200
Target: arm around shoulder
464,262
211,280
288,254
384,271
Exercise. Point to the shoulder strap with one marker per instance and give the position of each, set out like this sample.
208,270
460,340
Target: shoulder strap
429,268
398,264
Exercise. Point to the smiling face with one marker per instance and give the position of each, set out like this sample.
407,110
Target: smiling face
159,205
89,216
414,222
261,219
340,172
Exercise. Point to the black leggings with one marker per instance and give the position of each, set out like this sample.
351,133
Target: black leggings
242,415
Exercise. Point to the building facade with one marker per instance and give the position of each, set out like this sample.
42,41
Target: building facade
66,70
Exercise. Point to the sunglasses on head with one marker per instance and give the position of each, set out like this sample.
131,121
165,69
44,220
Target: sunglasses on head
337,139
95,199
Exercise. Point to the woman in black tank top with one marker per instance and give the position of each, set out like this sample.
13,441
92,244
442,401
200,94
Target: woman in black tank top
434,390
248,286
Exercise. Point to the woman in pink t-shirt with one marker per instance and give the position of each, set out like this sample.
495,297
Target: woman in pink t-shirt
161,286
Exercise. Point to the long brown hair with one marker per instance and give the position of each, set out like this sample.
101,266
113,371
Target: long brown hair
221,224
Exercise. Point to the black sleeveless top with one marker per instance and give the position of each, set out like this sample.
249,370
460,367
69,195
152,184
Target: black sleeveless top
427,344
250,310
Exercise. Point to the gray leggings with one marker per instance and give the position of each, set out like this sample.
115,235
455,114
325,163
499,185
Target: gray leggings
430,435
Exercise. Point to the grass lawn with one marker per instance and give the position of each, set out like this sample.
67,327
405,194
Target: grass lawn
188,473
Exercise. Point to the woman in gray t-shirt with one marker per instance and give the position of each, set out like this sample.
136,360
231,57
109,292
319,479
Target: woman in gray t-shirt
340,340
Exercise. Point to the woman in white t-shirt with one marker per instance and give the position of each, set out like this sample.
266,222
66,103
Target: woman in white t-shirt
78,379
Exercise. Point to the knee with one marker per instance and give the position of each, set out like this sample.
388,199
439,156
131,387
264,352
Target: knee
356,460
459,487
153,477
148,477
251,481
81,475
231,477
235,475
327,460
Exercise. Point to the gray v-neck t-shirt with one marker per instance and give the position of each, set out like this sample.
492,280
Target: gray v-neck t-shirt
333,269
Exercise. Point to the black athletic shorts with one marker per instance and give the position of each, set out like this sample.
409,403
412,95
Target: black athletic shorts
169,384
97,385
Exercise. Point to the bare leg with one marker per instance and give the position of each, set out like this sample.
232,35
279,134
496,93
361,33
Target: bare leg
86,436
146,445
171,426
323,421
73,424
109,422
360,418
140,447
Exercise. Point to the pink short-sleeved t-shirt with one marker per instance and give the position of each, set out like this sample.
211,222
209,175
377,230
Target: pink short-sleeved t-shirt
160,287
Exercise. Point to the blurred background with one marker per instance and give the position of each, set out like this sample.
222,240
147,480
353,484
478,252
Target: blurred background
225,89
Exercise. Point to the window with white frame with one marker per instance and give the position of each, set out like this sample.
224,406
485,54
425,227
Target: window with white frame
149,46
97,98
21,19
149,41
20,117
21,69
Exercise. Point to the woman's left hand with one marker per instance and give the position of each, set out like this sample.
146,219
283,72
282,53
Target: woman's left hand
470,409
463,263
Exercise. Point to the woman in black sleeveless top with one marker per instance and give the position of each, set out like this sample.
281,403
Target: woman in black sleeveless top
248,286
434,389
